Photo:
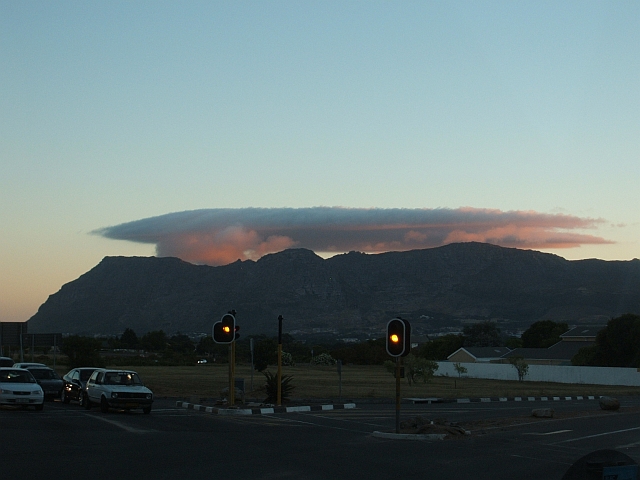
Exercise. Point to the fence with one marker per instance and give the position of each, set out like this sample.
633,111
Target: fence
547,373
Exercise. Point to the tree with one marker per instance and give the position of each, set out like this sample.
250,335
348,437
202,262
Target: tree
485,334
154,341
618,344
460,369
369,352
414,368
521,366
265,353
441,347
129,339
82,351
543,334
181,343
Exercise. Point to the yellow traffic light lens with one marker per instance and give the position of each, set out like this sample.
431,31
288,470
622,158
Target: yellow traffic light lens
394,338
226,329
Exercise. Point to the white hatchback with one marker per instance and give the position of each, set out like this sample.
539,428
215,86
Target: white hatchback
19,388
121,389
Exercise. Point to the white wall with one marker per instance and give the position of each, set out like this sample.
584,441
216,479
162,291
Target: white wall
547,373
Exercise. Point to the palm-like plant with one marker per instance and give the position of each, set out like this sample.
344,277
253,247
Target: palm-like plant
272,386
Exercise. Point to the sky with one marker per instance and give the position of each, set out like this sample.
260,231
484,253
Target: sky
215,131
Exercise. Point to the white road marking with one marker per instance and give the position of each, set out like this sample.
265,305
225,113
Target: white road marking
120,425
549,433
599,435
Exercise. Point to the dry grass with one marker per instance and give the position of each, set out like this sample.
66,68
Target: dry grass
358,381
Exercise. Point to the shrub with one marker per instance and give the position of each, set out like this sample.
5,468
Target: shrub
271,386
323,359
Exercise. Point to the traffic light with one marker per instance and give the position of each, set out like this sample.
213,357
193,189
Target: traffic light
224,331
398,337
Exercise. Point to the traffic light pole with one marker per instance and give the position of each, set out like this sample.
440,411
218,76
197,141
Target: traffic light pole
279,395
232,374
397,394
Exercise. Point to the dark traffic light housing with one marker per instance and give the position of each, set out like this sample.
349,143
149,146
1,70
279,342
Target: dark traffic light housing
398,337
225,330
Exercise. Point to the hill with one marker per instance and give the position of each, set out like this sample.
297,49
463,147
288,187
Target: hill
353,294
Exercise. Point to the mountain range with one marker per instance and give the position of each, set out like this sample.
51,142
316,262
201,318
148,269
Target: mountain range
352,294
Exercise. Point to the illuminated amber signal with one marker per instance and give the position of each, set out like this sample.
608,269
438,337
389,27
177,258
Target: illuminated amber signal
224,330
398,342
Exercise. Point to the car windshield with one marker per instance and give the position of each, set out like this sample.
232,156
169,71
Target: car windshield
16,376
85,374
122,378
44,374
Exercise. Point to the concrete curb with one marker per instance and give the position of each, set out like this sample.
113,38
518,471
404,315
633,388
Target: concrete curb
409,436
500,399
263,410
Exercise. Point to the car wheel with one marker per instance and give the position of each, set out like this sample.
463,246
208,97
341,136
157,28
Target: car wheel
40,407
63,397
80,399
147,410
104,405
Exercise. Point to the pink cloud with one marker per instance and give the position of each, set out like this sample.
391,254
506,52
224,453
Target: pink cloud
220,236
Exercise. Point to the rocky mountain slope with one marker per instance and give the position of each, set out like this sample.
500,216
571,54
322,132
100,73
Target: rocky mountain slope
353,292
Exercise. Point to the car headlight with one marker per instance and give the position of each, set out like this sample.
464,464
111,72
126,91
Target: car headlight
37,392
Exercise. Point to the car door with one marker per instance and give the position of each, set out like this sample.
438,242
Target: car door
93,386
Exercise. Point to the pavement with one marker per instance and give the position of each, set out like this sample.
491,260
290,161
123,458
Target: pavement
262,409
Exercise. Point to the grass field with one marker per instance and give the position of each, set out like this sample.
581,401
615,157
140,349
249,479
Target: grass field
358,382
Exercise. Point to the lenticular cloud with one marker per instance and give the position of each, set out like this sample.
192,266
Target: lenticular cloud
223,235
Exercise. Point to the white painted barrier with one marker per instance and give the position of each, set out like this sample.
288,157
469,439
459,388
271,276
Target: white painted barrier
547,373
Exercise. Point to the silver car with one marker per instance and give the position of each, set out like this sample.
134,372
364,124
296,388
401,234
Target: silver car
121,389
20,389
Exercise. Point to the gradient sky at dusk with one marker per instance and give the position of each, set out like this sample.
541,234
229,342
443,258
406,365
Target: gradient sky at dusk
136,128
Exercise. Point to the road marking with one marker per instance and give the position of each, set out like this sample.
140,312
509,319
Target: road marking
356,421
631,445
549,433
538,459
599,435
120,425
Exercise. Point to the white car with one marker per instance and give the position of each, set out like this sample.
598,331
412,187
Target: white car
121,389
19,388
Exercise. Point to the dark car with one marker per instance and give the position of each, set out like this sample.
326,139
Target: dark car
73,384
6,362
49,380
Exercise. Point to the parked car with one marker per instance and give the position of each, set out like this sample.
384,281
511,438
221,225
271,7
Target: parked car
48,379
27,365
6,362
122,389
73,383
18,387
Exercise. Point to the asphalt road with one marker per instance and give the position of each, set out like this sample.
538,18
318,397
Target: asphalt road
172,442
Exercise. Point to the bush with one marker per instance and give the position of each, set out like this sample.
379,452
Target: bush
272,386
323,359
414,368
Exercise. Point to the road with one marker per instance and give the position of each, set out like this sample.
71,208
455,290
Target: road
172,442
